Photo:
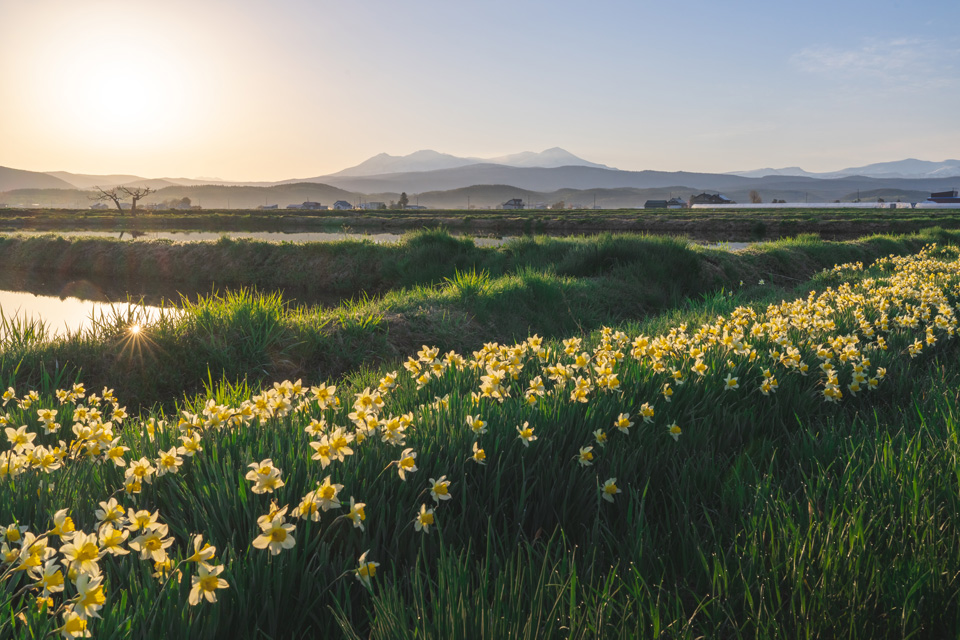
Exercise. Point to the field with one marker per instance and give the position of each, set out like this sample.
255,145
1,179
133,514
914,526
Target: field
715,224
614,436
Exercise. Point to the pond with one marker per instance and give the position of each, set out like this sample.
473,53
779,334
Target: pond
213,236
294,236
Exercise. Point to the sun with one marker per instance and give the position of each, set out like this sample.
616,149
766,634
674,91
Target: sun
117,84
112,89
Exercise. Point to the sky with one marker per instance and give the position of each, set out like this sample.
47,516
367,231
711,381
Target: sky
258,90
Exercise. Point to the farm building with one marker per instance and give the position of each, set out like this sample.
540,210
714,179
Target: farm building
373,206
945,197
342,205
515,203
655,204
710,198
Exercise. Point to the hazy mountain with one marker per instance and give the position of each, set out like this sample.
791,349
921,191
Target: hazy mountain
429,160
532,178
909,168
86,181
786,171
89,181
20,179
555,157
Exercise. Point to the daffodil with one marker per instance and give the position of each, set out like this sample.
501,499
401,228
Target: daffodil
74,625
407,463
90,597
424,519
585,457
479,455
202,552
82,552
623,423
366,570
265,476
674,431
169,462
730,383
327,494
277,534
440,489
206,583
610,489
357,514
526,434
152,544
477,425
62,525
49,578
111,540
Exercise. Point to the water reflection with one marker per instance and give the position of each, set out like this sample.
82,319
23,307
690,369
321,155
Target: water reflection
66,315
212,236
66,304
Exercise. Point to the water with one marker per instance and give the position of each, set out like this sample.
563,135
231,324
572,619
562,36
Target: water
212,236
67,315
290,236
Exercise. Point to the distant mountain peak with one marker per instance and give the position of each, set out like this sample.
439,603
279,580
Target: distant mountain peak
908,168
430,160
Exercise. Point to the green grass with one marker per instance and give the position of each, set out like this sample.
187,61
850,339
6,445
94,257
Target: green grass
459,297
779,517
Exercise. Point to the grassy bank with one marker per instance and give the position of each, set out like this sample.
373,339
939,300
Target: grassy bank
741,512
547,286
710,224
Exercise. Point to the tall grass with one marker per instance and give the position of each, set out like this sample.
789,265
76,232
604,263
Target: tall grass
779,516
548,286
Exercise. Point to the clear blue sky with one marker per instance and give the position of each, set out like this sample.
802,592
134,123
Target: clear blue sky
247,89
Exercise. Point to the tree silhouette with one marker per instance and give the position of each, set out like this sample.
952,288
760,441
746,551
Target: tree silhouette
116,194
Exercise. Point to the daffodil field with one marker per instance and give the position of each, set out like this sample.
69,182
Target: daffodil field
787,471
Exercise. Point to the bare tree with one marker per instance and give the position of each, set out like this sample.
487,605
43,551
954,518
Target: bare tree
136,194
113,195
116,194
755,197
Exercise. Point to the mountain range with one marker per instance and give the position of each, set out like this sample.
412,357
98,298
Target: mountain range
444,180
429,160
909,168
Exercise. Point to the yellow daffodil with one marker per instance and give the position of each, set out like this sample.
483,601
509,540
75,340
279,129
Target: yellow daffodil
206,583
526,434
479,455
585,457
407,463
440,489
674,430
610,489
366,570
424,520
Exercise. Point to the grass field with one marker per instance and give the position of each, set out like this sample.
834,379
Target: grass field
710,224
432,288
760,463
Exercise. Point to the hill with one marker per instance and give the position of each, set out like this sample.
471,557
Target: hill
429,160
909,168
20,179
